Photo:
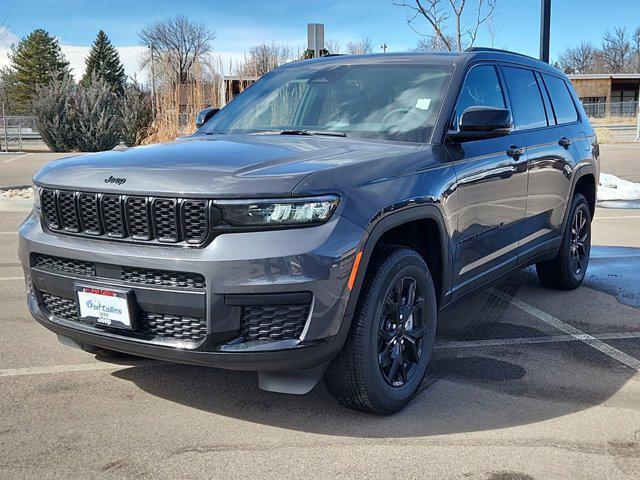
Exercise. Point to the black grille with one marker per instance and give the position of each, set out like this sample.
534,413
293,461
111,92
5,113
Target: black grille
138,218
172,326
60,307
66,265
88,207
126,217
162,277
194,215
145,276
166,220
273,322
50,209
68,211
112,216
149,324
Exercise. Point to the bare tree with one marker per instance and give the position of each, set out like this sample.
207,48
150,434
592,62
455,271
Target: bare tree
635,41
264,57
437,14
432,44
580,59
360,47
179,42
332,46
616,50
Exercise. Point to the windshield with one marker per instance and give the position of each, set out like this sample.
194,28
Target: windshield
391,102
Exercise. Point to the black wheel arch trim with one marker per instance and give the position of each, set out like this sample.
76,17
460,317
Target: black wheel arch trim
386,223
580,172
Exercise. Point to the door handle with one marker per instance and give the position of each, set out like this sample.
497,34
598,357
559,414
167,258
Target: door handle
564,142
514,151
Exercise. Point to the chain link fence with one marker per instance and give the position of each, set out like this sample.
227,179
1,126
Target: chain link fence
18,133
615,122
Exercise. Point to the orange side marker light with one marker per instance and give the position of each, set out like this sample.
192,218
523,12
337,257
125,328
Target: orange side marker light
354,271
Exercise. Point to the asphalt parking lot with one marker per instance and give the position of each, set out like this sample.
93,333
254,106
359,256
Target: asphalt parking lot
525,383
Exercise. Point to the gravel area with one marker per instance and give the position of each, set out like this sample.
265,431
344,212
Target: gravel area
17,193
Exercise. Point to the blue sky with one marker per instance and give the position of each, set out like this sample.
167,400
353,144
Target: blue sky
241,23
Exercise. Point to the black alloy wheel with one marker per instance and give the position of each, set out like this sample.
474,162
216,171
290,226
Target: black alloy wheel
400,332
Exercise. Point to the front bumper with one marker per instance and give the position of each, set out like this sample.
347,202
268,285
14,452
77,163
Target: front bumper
316,261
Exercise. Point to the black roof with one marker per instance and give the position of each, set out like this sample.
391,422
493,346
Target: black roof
440,58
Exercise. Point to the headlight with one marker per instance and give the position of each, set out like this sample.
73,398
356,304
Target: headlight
36,197
266,213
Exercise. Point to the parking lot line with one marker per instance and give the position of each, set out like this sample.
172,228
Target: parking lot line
19,156
497,342
10,279
8,233
590,340
82,367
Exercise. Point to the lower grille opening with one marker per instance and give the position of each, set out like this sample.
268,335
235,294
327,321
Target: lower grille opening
273,322
145,276
149,324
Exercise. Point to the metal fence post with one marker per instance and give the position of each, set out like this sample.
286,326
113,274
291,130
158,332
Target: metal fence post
4,124
638,124
20,136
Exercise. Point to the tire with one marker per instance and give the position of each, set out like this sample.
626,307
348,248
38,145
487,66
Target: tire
367,374
567,270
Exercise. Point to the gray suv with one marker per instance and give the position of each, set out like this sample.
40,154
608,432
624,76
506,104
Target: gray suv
316,225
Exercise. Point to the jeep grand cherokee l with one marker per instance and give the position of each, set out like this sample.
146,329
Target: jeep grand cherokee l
315,225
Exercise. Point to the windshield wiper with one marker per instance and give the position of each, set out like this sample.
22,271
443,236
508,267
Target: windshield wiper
328,133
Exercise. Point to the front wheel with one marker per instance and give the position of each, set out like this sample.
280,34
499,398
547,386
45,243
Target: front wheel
567,270
386,354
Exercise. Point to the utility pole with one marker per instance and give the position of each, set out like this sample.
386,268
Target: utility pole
384,47
545,29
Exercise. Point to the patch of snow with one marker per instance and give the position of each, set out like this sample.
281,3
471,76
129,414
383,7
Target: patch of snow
614,188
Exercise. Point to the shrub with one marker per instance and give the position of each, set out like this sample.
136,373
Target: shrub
71,117
136,115
53,107
96,120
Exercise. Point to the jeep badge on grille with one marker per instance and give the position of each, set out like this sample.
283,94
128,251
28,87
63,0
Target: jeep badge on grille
115,180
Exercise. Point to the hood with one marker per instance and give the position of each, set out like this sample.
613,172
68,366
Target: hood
224,166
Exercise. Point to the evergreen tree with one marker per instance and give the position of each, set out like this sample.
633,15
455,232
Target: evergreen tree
35,62
104,62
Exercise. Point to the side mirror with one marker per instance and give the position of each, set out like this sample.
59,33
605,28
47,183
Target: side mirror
482,122
204,115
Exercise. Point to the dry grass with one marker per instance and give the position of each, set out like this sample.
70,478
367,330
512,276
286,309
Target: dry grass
178,104
613,121
604,135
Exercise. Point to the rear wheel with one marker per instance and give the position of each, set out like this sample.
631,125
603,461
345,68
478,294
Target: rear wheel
567,270
386,354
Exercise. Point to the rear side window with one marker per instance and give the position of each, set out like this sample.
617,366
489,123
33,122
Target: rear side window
481,88
563,105
526,101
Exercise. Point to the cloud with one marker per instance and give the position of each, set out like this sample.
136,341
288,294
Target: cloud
225,62
7,37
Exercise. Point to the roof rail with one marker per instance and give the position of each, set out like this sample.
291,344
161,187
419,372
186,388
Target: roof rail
498,50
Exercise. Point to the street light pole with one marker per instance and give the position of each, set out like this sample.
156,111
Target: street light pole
545,29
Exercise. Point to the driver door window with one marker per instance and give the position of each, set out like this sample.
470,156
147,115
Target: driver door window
481,88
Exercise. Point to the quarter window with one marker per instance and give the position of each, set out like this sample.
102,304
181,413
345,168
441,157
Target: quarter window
526,101
561,98
481,88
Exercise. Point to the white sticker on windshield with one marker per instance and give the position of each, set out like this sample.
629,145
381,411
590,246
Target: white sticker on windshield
423,103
